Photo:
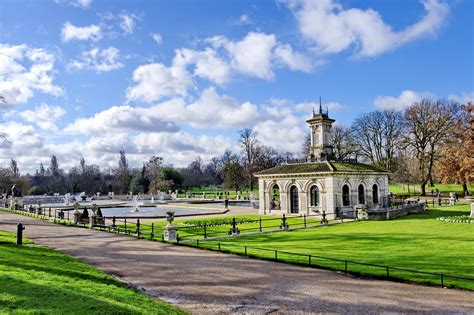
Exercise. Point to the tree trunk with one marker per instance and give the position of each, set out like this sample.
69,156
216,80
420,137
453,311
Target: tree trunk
464,189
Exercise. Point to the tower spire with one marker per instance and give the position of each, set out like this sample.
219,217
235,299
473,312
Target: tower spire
320,106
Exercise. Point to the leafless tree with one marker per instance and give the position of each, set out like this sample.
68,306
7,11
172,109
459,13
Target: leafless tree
379,135
344,144
249,145
428,124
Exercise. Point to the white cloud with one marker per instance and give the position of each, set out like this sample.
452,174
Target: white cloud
215,111
463,98
294,60
207,64
76,3
70,32
45,116
25,70
127,22
157,37
331,28
96,59
155,81
405,99
252,55
123,119
257,54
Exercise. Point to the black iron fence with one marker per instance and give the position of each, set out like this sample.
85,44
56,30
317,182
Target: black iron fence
311,260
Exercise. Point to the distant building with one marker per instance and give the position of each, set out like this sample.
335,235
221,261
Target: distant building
321,184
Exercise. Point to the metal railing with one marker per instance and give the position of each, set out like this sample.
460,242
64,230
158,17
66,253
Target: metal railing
310,260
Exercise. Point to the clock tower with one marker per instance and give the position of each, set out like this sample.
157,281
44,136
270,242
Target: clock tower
321,136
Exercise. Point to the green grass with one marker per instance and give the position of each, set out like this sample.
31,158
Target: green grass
38,280
186,231
445,189
213,190
418,242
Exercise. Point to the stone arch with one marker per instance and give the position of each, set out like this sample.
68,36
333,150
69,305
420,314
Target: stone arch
313,182
270,185
274,195
288,184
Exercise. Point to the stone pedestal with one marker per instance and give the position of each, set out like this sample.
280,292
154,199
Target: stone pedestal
39,210
93,221
472,209
77,216
361,211
169,233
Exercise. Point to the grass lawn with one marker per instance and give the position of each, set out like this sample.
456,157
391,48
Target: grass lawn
418,242
38,280
445,189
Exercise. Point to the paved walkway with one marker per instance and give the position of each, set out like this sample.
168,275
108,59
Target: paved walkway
204,282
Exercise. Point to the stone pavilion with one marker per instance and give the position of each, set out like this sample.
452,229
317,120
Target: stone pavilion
321,183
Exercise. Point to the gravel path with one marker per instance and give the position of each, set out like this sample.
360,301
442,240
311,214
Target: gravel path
205,282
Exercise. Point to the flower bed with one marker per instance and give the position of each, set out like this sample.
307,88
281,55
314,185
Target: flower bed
457,219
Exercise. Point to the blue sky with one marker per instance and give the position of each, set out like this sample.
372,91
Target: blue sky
179,78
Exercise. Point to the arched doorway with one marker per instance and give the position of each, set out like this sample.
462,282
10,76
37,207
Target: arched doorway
294,207
361,194
346,201
375,194
275,197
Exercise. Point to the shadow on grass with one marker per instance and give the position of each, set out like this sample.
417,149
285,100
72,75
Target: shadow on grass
18,295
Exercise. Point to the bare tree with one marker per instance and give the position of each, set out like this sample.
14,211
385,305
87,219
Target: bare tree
15,172
344,144
428,124
306,147
379,135
249,145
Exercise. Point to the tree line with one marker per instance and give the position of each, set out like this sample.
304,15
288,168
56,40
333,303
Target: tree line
428,141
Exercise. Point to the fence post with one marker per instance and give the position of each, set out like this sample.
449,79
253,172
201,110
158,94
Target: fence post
205,230
197,243
113,221
138,228
219,246
260,224
55,215
304,218
309,260
152,231
388,275
125,231
345,266
49,212
68,215
276,255
442,280
245,253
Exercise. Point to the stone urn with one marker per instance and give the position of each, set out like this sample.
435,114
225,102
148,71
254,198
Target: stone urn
169,230
93,221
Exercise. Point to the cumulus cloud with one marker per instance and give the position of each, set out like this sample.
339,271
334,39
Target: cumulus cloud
70,32
100,60
122,119
157,37
405,99
245,20
45,116
155,81
257,54
331,28
206,64
25,70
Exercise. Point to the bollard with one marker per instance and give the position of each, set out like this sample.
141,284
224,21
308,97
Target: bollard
19,233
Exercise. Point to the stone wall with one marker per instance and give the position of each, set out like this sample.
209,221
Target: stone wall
396,212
